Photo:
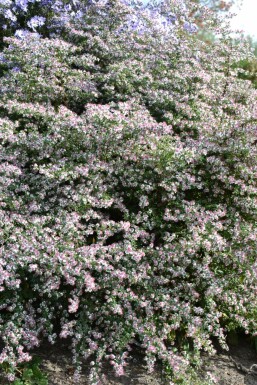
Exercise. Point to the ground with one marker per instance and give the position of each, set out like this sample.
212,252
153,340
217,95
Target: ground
225,365
230,368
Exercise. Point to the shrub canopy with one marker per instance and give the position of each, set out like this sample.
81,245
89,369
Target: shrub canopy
128,184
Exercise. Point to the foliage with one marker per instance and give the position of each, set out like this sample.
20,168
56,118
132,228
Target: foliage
220,5
128,179
38,17
248,67
28,373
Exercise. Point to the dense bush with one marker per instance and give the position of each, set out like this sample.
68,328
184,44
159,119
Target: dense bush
128,187
249,66
40,17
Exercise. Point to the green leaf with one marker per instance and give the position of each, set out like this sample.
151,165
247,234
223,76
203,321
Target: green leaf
39,381
27,374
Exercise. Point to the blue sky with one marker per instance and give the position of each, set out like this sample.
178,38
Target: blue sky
246,18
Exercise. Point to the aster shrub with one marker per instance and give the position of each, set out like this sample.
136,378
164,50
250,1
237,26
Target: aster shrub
128,188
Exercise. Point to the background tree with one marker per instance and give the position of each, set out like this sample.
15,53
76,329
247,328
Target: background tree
220,5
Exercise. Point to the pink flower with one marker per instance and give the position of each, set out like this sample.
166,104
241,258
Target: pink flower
74,305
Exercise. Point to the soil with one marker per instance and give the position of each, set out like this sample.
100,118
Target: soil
233,367
229,368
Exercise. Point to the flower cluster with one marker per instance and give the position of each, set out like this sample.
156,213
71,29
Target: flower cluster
40,17
128,208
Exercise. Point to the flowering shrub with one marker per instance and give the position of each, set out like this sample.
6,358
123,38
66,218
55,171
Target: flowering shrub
128,180
41,17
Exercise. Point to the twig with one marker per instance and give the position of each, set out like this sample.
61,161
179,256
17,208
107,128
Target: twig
242,368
